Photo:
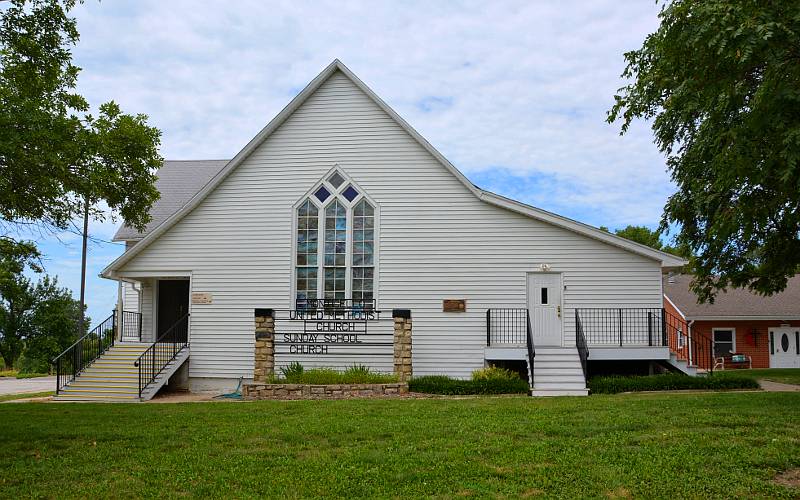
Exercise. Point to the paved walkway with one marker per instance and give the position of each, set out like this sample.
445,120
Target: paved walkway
778,387
11,385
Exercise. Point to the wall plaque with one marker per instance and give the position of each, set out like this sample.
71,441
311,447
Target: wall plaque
201,298
454,305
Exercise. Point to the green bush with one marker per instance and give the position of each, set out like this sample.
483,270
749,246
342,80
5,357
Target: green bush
356,374
668,382
440,384
8,373
494,373
292,371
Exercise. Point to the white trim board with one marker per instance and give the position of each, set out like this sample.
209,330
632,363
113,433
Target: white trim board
666,260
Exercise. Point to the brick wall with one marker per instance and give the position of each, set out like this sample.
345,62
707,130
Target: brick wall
755,346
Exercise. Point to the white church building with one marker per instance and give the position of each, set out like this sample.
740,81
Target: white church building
339,200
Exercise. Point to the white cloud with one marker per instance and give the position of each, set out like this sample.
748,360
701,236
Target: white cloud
501,88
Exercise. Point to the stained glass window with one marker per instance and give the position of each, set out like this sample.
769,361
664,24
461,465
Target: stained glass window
363,251
307,248
336,180
350,193
322,193
335,267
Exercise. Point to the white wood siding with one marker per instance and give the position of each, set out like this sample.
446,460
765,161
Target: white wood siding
437,241
130,297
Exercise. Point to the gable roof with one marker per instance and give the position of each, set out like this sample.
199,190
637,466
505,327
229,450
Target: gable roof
733,303
178,182
666,260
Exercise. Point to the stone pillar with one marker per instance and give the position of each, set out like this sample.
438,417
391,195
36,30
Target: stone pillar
402,344
264,365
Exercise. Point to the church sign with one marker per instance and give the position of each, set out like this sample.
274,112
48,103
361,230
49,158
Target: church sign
341,329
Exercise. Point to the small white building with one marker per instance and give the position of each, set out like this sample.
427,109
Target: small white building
339,198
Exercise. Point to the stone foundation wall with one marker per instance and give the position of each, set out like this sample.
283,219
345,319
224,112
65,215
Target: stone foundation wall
309,391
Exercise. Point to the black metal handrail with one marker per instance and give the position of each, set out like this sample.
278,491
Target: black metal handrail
621,326
507,326
694,348
131,328
531,347
166,348
580,343
84,351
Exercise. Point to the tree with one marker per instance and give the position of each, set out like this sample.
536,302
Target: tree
721,83
41,319
651,238
55,157
53,323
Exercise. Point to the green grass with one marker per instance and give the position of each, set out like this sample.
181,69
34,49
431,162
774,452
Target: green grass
25,395
16,374
654,445
32,375
783,375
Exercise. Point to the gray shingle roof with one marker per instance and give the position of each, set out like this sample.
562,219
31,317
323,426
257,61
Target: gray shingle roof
734,302
177,182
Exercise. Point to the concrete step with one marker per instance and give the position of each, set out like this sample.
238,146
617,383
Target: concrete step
96,398
559,392
564,371
558,386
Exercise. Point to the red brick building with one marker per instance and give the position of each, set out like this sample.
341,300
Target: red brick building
766,330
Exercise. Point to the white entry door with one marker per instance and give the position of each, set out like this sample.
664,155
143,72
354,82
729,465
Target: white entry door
784,347
544,303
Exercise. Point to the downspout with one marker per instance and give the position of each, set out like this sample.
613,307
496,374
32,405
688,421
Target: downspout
119,310
689,335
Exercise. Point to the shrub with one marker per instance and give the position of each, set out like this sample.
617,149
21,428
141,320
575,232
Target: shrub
292,370
440,384
668,382
494,373
8,373
356,374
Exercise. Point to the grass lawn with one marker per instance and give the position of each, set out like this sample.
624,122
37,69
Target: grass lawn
25,395
785,375
654,445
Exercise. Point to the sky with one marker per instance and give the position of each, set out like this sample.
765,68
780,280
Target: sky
514,94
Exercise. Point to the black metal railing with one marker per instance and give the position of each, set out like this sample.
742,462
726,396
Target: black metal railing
131,328
580,343
166,348
84,351
635,326
507,326
531,348
694,348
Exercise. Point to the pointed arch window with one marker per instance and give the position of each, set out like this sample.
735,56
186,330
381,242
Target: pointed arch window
335,267
307,250
363,251
335,244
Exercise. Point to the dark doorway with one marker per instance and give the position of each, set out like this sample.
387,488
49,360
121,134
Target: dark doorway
173,304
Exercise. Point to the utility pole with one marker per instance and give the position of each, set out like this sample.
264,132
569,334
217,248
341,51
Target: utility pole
83,267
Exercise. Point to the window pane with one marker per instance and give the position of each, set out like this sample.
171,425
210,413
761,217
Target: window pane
723,335
544,296
722,348
335,250
363,248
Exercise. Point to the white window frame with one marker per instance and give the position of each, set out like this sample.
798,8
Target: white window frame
723,329
321,206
